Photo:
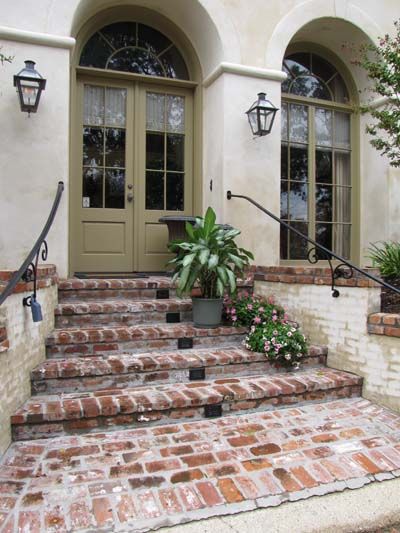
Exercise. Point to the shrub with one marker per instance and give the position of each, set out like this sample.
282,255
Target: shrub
281,341
247,309
387,258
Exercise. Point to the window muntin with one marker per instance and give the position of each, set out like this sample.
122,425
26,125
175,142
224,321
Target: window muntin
312,76
136,48
316,181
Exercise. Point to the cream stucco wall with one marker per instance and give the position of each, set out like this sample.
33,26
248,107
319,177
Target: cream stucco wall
35,151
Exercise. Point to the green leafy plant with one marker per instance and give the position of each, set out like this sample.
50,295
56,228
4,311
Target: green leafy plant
281,341
209,257
387,258
5,59
382,65
246,309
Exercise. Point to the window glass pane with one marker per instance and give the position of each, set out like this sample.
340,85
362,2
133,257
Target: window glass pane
321,68
154,190
92,187
93,106
323,127
298,123
174,64
115,147
323,196
93,146
175,152
115,189
323,166
284,162
155,112
342,168
311,87
120,34
298,247
323,235
175,114
339,90
284,243
342,204
155,151
115,107
298,163
175,191
95,52
298,63
284,122
284,199
298,201
137,61
152,39
342,130
341,237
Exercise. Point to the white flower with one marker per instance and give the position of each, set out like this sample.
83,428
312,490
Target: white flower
289,333
288,356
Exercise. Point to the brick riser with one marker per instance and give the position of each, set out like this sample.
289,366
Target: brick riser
119,372
73,414
134,339
118,319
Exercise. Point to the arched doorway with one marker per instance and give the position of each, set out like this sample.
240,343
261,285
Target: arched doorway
318,167
132,147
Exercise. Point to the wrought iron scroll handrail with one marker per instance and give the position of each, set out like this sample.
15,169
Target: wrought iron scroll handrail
337,271
28,269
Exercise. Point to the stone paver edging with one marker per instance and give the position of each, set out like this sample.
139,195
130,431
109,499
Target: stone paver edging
147,478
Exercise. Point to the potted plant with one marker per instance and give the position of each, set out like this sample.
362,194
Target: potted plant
387,258
211,259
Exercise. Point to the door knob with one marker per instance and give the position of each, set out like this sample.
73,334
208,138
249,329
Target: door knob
130,196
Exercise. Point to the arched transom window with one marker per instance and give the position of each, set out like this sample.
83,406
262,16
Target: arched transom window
316,175
134,47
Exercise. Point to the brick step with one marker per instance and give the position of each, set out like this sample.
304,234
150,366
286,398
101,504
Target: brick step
83,342
56,415
122,312
119,371
153,287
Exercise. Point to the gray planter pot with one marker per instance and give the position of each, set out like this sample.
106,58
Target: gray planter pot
207,312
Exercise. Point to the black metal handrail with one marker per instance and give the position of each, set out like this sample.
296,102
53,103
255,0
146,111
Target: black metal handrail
336,272
28,269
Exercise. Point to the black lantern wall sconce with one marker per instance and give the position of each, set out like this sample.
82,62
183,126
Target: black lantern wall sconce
29,84
261,116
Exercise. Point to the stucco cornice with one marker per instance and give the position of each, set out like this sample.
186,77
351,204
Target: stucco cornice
244,70
33,37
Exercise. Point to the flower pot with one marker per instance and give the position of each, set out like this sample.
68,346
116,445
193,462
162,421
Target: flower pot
207,312
390,301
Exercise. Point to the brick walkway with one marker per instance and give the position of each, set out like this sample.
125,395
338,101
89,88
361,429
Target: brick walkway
144,478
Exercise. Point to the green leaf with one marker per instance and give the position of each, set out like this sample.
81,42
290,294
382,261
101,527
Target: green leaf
187,260
236,261
232,281
222,274
204,255
213,261
209,221
220,288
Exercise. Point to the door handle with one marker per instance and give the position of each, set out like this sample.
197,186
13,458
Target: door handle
129,196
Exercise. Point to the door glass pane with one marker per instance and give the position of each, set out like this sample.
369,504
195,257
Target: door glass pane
298,123
155,112
299,163
284,162
342,204
342,168
298,247
323,127
342,130
93,106
298,201
175,114
341,238
175,152
155,151
154,190
115,107
323,196
115,189
323,235
93,147
174,191
284,122
115,147
284,243
284,199
92,187
323,166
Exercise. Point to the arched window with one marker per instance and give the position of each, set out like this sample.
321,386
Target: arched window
134,47
316,175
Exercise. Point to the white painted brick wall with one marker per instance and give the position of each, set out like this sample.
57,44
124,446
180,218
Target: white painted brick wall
341,324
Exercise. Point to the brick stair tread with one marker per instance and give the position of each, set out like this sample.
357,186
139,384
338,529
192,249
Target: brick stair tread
109,305
152,282
82,335
150,361
74,406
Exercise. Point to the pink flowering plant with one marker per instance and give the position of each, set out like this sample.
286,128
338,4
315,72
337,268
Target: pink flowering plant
246,309
281,341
